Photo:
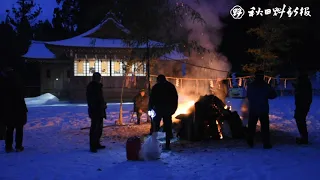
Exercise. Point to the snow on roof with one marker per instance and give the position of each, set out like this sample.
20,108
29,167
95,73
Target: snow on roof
38,50
173,55
83,41
97,42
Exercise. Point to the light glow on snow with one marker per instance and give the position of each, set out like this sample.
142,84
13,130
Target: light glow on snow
52,135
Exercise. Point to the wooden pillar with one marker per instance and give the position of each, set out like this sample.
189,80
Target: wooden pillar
110,64
86,72
96,66
41,77
197,84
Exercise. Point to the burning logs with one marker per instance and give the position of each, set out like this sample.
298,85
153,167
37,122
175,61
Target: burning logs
235,124
205,119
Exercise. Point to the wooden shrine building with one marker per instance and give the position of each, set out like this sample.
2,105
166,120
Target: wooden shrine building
66,66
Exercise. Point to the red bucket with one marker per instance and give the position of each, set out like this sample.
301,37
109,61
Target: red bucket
133,147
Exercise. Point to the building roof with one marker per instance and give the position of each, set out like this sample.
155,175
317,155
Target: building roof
86,39
173,55
38,50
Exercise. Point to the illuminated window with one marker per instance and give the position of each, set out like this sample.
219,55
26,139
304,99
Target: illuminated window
91,67
105,67
116,68
140,68
79,67
86,67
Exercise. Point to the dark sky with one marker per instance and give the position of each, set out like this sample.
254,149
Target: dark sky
47,7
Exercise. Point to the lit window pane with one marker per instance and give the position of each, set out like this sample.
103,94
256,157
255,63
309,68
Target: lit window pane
105,67
92,68
79,67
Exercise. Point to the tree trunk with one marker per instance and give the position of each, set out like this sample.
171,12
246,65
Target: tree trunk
120,120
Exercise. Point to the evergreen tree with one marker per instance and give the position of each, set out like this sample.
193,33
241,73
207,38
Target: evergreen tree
60,29
162,20
7,44
287,42
43,31
23,14
80,16
235,40
66,15
92,12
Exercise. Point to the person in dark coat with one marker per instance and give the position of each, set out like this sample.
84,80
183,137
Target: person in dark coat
3,103
303,100
97,111
258,93
164,101
16,111
140,105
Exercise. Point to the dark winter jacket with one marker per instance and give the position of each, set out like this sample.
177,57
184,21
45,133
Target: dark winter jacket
13,109
3,97
303,93
140,102
164,98
258,93
95,100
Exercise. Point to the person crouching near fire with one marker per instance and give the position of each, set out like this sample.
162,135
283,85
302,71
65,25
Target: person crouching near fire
97,111
258,93
164,101
140,105
303,100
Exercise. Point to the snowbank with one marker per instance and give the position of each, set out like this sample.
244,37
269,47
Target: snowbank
44,99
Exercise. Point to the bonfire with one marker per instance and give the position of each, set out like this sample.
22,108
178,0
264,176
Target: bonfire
203,119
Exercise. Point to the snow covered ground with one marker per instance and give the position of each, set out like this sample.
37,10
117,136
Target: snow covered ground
56,148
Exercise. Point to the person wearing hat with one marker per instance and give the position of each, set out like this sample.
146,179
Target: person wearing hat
303,100
258,93
140,105
164,102
97,111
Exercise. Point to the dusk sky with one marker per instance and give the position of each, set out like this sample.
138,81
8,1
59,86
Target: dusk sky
47,7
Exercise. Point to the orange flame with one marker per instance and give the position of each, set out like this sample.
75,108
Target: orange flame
183,108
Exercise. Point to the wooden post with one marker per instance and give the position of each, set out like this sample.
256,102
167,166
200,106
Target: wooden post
86,57
110,65
197,84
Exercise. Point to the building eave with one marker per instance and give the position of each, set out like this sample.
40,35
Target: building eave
38,50
174,56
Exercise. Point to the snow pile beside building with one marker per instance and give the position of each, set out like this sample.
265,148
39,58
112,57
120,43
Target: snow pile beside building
44,99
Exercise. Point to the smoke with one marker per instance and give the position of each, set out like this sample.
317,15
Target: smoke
209,36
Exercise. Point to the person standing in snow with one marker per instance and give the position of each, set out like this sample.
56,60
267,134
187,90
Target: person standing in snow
164,101
258,94
97,111
303,100
140,105
16,111
3,104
